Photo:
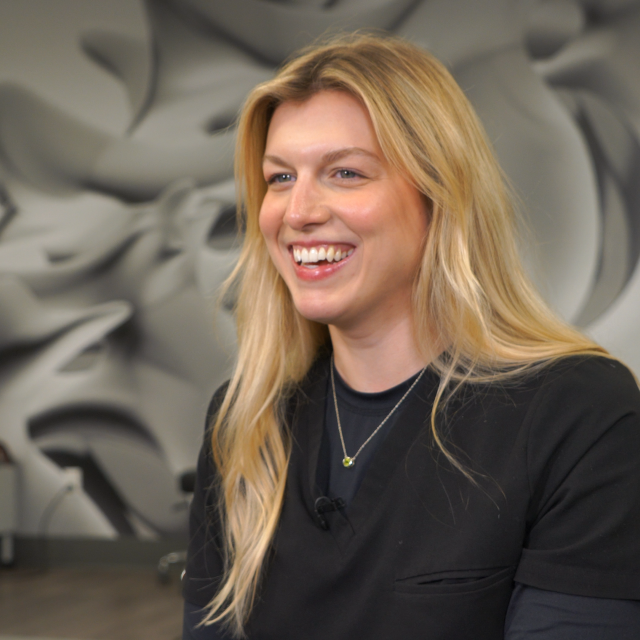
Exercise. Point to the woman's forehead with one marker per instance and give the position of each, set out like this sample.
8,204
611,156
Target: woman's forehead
327,119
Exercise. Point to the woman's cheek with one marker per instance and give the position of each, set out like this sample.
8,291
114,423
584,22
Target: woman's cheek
263,220
271,217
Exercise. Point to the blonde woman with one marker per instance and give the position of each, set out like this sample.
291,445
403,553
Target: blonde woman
412,445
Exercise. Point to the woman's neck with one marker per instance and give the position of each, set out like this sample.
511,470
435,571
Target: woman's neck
376,360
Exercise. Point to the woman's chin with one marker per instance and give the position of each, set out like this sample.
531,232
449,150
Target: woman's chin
321,318
318,312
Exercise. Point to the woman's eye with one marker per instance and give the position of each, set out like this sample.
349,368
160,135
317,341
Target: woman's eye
347,174
280,178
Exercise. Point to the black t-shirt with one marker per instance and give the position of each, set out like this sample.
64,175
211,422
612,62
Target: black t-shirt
360,415
557,507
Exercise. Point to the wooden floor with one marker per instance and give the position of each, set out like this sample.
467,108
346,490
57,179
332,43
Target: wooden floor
89,604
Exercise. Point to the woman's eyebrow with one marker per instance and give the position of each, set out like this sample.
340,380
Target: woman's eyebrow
330,156
338,154
276,160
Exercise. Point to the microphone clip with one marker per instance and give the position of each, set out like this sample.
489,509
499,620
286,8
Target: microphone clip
323,505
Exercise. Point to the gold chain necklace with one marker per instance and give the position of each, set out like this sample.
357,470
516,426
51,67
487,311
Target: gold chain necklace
349,461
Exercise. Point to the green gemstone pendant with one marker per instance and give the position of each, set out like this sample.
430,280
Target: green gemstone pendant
348,462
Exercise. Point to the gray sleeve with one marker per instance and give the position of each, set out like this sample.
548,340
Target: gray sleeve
535,614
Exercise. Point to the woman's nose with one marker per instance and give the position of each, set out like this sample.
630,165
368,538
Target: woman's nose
306,205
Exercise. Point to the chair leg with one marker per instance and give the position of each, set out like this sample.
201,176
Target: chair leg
166,562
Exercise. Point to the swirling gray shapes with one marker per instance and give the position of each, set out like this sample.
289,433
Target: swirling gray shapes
8,209
143,213
466,30
552,24
72,247
273,30
25,321
603,60
159,367
54,152
537,141
615,153
126,58
24,379
543,153
599,79
60,244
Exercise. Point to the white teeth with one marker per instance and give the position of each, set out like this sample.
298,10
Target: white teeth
314,255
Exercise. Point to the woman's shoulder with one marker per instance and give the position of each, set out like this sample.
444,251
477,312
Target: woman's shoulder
576,396
569,382
586,378
578,401
215,404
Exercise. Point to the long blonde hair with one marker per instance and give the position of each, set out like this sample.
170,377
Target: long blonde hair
470,288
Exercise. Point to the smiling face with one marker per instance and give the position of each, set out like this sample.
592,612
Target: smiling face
344,229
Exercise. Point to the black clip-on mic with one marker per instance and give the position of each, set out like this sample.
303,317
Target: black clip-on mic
325,504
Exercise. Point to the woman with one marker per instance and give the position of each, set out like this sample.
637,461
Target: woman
412,445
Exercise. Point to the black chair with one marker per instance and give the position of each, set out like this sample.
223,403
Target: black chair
187,484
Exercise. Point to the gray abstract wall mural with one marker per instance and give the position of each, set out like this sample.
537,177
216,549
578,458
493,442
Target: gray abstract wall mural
117,210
